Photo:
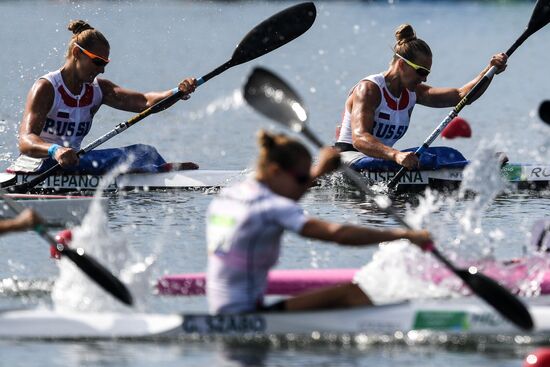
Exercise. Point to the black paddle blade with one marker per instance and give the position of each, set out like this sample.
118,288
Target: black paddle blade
275,32
497,296
99,274
540,16
19,189
544,111
275,99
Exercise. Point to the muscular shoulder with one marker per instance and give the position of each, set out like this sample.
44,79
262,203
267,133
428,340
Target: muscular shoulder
422,93
42,90
112,93
40,98
369,91
106,86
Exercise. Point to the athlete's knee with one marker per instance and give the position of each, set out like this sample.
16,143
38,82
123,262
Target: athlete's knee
355,295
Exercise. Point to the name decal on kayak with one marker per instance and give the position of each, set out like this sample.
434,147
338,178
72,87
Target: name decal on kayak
487,319
455,320
441,320
224,324
540,172
65,181
410,177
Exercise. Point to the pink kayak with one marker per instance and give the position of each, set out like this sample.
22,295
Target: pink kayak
283,282
515,275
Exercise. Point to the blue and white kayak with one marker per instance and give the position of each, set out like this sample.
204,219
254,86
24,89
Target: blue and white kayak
522,176
410,319
442,168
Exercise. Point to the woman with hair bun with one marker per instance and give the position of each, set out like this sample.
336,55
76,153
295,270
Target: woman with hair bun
379,107
61,105
245,224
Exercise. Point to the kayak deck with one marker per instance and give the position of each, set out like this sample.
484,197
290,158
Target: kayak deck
465,316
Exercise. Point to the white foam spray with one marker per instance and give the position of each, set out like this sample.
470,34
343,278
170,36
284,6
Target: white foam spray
226,103
399,270
73,290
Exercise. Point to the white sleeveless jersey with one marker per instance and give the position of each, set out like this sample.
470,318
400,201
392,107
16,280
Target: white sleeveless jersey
67,122
391,117
244,228
70,117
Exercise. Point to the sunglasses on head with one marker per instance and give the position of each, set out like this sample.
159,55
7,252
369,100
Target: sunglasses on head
97,60
300,178
420,70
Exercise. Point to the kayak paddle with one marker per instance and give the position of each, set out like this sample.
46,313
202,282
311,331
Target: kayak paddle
272,97
95,271
539,18
544,111
272,33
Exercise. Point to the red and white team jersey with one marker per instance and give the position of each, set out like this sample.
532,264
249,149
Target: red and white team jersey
70,117
68,121
391,117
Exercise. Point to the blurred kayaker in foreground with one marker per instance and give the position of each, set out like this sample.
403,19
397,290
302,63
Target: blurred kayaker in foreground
246,221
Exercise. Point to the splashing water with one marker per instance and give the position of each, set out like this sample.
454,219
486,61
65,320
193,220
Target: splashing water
73,290
482,175
232,102
390,274
399,271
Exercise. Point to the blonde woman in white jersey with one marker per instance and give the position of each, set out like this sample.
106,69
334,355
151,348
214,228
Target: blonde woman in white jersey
61,105
378,109
246,221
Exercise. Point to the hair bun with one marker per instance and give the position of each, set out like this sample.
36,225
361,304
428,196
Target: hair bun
266,140
404,33
78,26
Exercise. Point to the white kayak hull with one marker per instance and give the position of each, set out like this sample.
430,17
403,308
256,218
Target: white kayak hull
173,180
467,316
55,209
520,175
523,176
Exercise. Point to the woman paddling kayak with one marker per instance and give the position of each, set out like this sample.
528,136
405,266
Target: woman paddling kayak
379,107
61,105
246,221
